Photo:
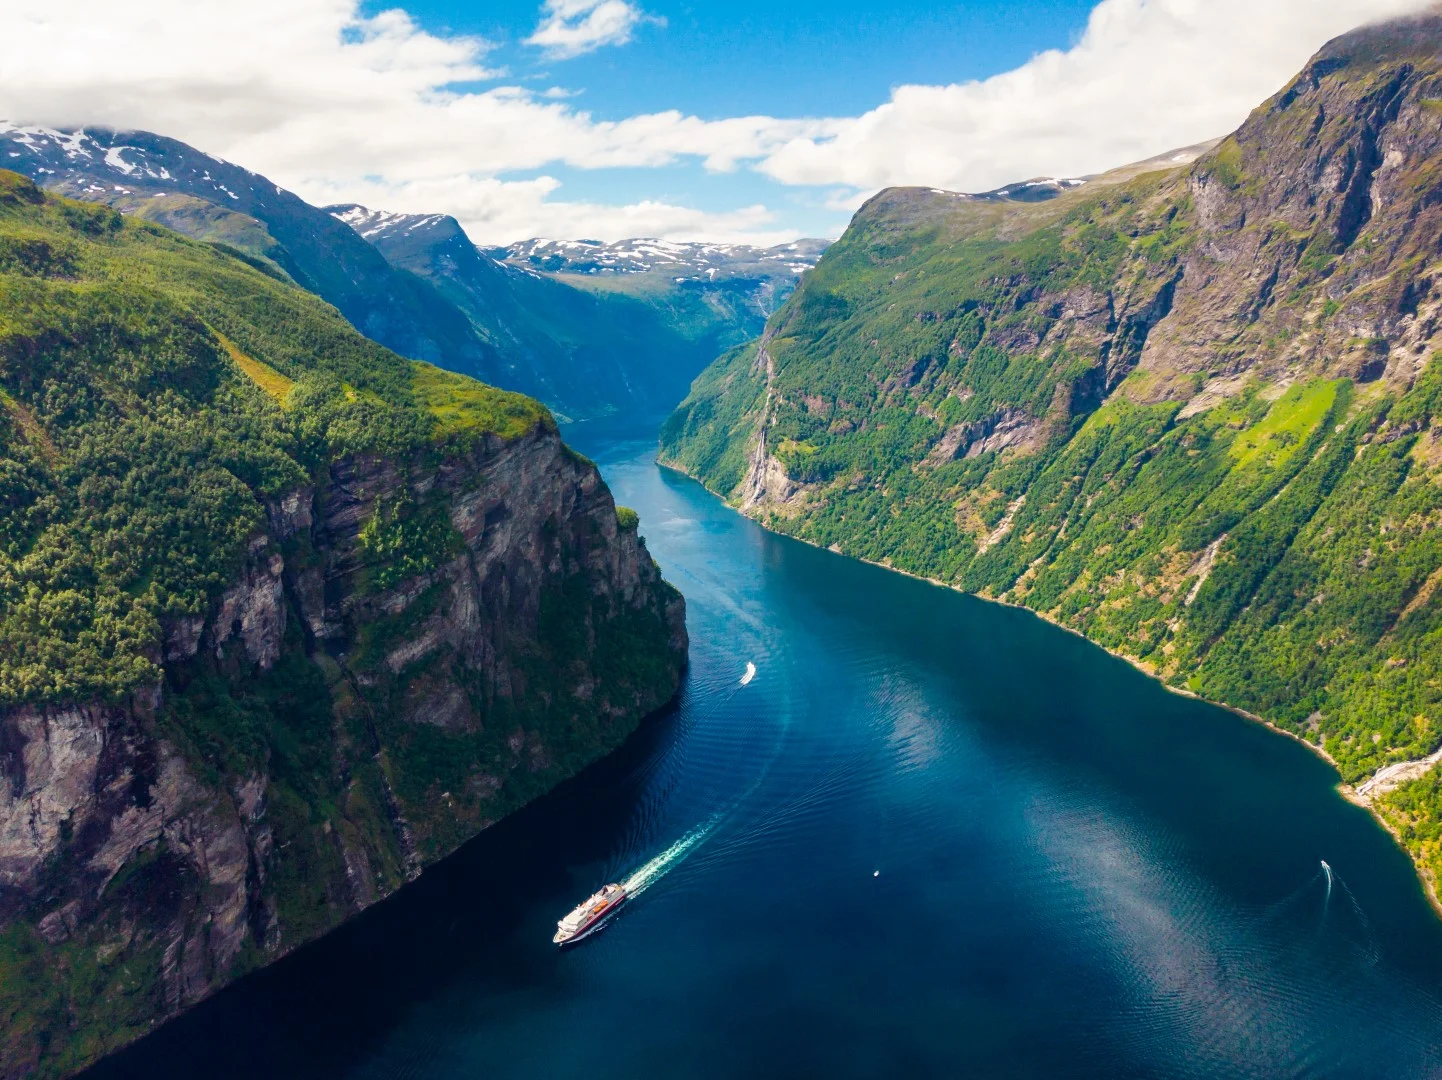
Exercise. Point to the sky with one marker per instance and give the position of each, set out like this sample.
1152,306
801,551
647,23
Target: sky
740,121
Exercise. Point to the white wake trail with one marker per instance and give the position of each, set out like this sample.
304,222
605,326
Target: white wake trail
657,868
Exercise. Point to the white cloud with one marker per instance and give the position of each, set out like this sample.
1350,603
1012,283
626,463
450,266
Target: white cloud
848,200
1147,76
574,27
497,211
325,100
335,104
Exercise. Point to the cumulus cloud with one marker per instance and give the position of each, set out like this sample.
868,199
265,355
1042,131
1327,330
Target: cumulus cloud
574,27
326,100
1147,76
337,104
496,211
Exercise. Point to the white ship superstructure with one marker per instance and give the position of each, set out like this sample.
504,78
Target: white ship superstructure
589,916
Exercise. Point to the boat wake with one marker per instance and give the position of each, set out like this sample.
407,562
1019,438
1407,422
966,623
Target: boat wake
1364,939
663,863
1346,924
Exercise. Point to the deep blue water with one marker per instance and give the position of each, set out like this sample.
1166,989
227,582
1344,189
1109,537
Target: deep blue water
933,837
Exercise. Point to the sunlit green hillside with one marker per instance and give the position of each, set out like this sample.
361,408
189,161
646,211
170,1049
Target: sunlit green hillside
1194,412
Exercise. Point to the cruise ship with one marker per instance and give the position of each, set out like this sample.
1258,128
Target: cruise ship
590,916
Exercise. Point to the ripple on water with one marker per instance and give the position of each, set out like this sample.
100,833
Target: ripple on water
1079,876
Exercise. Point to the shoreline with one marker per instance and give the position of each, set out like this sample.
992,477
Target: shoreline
1347,791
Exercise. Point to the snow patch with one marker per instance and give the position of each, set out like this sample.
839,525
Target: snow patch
114,159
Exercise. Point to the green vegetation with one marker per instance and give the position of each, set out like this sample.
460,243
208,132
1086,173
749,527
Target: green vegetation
263,375
1296,413
1227,164
708,433
898,336
1411,810
464,409
35,1004
140,375
448,779
959,391
200,219
160,400
402,540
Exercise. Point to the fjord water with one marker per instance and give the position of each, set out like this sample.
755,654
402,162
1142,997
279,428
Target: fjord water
931,837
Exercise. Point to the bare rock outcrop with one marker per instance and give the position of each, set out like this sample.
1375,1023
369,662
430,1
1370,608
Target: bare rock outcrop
272,784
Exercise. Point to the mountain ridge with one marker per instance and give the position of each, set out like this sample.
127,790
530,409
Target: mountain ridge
588,351
640,255
430,294
161,179
1191,412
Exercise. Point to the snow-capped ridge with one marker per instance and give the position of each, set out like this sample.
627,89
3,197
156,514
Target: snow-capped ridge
681,260
1039,189
373,223
82,156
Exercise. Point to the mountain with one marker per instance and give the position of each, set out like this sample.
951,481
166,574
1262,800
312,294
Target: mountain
1193,411
168,182
588,346
667,259
284,618
738,285
415,283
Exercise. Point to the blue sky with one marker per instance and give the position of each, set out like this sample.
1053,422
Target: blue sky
803,58
799,58
744,121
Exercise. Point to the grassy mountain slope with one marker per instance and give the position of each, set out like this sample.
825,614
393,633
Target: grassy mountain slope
168,182
1192,412
423,289
284,618
118,384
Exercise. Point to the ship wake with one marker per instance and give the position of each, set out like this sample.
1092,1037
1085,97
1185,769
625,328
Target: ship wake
667,861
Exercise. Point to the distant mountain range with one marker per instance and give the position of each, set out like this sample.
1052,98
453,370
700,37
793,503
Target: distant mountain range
586,342
637,336
699,262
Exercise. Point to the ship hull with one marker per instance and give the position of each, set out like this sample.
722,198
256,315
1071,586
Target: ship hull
594,927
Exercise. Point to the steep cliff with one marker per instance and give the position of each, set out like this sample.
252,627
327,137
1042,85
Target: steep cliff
283,619
1191,409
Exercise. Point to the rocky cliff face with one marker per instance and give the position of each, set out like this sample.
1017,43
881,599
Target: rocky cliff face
1192,410
1316,225
324,731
